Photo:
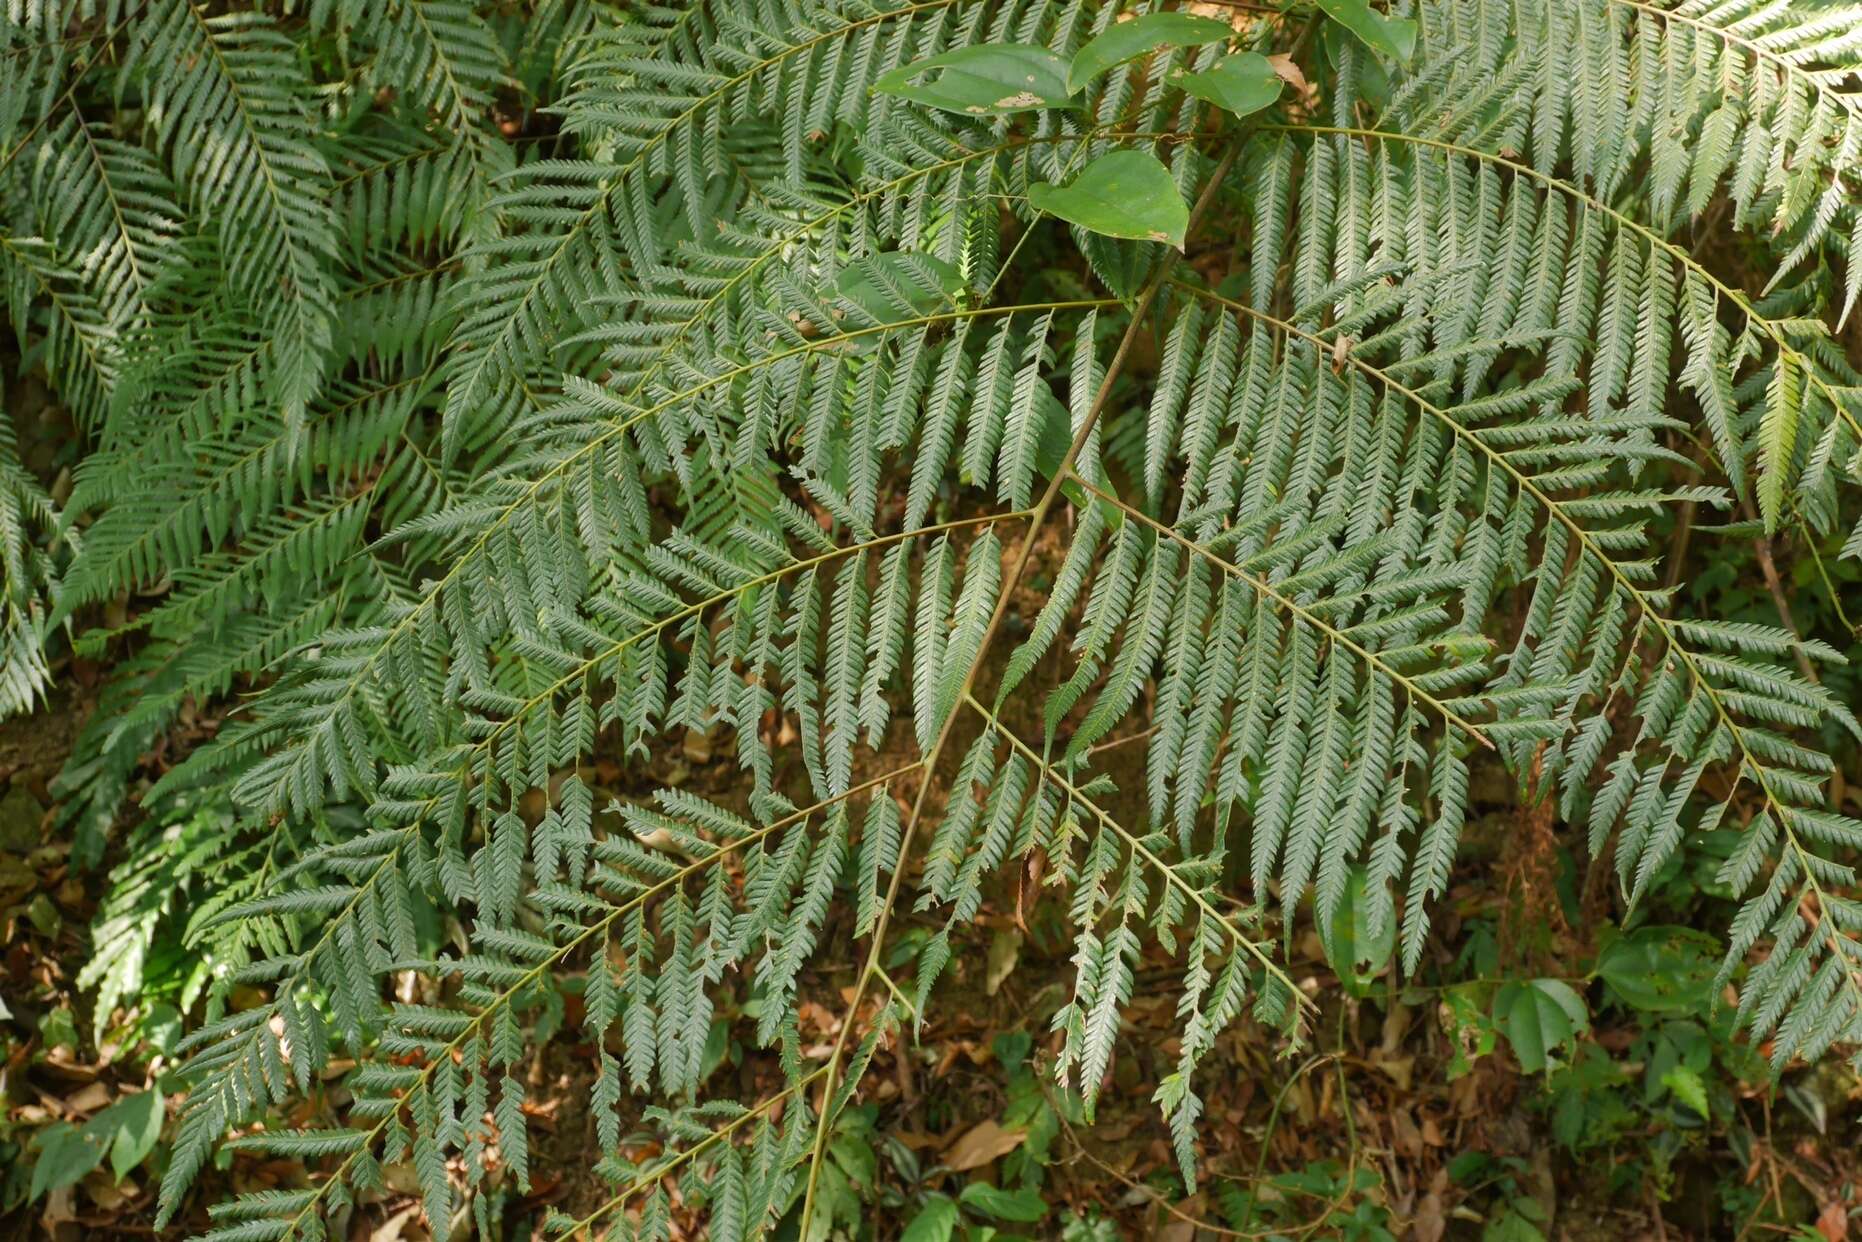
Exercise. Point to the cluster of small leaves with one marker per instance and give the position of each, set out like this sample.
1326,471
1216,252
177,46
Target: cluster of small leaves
733,408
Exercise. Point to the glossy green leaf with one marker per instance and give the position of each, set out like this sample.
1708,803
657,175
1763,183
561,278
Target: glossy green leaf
65,1154
1514,1223
1393,36
1243,83
1661,969
1023,1206
1129,40
131,1127
1121,194
1470,1030
985,80
1537,1017
935,1222
1355,952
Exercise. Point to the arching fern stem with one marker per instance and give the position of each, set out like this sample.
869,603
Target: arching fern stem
562,953
1776,808
1655,240
1023,555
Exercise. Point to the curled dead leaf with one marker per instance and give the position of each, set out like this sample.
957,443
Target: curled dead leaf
983,1142
1289,72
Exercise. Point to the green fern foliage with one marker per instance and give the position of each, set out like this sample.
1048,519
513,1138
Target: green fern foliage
471,404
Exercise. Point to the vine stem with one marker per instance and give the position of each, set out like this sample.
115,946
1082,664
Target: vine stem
1024,554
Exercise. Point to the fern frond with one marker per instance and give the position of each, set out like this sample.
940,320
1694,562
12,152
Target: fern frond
724,400
223,107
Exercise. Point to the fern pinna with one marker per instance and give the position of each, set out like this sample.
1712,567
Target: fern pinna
489,395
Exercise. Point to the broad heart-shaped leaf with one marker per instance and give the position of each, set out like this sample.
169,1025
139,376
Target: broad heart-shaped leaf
66,1154
1130,40
1662,969
130,1126
1121,194
1242,84
1537,1016
1393,36
984,80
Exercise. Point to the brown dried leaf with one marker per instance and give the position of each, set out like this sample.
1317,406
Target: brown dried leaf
87,1099
1290,73
404,1226
1430,1221
980,1144
1004,951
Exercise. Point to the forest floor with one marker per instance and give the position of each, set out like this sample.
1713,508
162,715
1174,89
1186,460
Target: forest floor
1380,1126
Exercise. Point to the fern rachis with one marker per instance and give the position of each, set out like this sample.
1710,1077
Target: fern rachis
751,398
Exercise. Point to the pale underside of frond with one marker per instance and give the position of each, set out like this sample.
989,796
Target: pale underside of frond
681,429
